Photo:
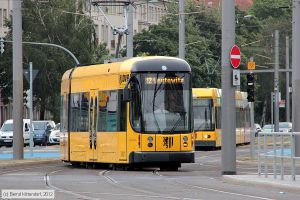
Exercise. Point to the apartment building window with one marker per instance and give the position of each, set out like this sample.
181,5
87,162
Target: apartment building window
102,32
95,8
159,11
106,34
112,44
150,13
1,19
4,15
97,33
144,13
156,14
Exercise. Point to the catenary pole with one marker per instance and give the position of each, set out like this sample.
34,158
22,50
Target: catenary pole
31,144
276,82
18,141
287,79
130,31
181,30
228,120
296,74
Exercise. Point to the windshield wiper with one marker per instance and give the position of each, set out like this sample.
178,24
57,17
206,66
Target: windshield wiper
156,89
177,122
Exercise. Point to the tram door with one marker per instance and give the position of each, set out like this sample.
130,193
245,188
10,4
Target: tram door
93,125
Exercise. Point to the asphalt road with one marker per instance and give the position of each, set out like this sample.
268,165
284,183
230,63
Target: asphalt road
200,180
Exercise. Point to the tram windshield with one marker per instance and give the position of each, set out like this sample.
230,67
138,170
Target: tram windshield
161,102
203,118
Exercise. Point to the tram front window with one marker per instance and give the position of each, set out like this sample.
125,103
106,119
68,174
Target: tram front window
203,120
161,103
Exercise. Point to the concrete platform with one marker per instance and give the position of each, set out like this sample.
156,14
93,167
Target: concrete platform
26,162
286,184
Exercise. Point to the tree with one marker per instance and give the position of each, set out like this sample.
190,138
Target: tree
202,38
59,22
273,15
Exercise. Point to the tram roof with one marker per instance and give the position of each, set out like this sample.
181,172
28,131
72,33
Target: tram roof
205,93
136,64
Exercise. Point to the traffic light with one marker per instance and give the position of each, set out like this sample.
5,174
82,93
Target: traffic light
250,87
27,99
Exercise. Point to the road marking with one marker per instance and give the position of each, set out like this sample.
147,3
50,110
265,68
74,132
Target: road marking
28,168
48,183
138,195
224,192
24,174
88,182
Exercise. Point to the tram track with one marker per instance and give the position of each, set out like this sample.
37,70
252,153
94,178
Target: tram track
141,192
157,173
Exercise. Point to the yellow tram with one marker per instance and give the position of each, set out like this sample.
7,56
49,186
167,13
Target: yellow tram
207,117
134,112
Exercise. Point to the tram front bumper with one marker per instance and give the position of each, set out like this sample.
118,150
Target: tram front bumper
205,143
162,157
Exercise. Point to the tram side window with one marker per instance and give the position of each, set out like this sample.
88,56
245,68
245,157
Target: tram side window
84,111
218,117
122,115
75,112
108,111
135,105
64,113
79,112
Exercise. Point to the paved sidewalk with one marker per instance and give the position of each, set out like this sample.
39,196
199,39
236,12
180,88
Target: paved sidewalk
286,184
26,162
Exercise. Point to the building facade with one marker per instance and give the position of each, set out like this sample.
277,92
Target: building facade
5,12
242,4
145,13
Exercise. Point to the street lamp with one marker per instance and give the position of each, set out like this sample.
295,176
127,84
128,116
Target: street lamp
242,17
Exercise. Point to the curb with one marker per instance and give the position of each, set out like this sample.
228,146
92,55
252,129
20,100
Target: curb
261,182
15,163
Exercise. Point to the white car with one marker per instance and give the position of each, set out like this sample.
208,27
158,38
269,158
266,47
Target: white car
55,135
268,128
6,133
257,129
285,127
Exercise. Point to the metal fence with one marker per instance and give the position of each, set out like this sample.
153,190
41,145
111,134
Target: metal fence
270,149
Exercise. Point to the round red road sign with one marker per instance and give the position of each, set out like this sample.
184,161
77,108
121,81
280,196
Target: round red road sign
235,56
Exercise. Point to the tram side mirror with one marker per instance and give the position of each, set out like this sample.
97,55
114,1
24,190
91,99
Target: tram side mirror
126,91
126,94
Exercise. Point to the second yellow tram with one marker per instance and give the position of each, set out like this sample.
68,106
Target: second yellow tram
207,117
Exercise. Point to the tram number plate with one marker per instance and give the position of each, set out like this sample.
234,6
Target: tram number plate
168,142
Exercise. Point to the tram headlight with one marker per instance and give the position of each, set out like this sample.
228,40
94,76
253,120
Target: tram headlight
150,139
206,136
185,138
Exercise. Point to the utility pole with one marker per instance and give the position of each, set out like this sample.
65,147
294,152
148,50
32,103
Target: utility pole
296,74
31,108
287,79
276,82
252,133
18,141
181,30
130,31
228,119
